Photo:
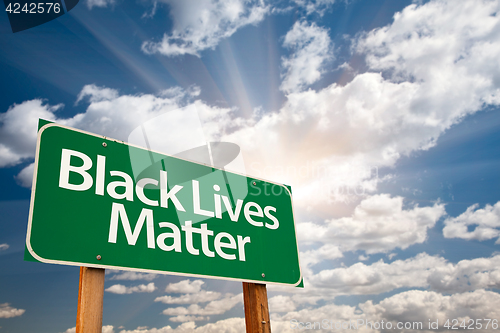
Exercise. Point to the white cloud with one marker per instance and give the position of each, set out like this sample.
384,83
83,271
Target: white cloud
315,6
25,177
202,24
99,3
422,271
442,45
310,258
420,306
466,275
183,318
425,82
378,277
230,325
185,287
6,311
486,221
96,94
197,297
186,327
438,63
18,130
336,313
150,13
311,47
105,329
378,224
116,116
435,64
414,306
121,289
281,303
4,246
192,295
108,114
216,307
132,276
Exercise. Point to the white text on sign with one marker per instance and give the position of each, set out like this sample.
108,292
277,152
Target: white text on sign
224,244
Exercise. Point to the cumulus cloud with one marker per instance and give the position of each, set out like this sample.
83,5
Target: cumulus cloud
378,224
459,41
117,116
315,6
421,271
466,275
281,303
198,297
185,287
435,64
112,115
230,325
420,306
183,319
6,311
378,277
193,294
4,246
185,327
96,94
311,50
99,3
202,24
337,313
486,223
414,307
216,307
105,329
121,289
18,130
25,177
132,276
310,258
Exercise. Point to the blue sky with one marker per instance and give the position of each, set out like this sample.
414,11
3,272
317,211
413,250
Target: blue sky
381,115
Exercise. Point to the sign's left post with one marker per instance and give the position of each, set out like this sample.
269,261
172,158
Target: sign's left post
90,299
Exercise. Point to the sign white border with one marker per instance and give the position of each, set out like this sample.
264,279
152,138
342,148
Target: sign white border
70,263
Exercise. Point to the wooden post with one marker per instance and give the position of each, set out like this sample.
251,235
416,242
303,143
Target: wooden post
256,309
90,297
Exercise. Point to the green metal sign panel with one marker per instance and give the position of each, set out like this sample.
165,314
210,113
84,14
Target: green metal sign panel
100,202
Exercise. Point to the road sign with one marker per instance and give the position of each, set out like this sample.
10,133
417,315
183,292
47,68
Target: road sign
99,202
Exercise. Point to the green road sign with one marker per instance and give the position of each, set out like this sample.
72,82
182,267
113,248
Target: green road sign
100,202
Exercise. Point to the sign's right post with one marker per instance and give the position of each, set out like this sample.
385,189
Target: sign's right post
256,308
